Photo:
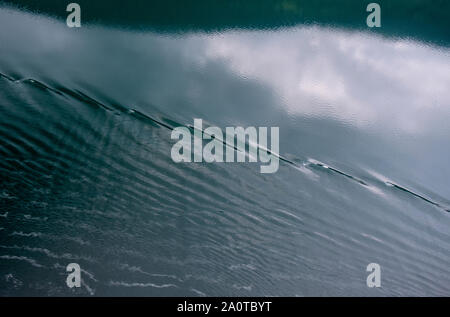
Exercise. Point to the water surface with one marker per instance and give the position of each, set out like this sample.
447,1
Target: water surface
86,174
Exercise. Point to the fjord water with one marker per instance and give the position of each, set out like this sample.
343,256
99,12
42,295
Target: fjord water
86,174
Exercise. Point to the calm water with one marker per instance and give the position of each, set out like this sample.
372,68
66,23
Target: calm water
86,174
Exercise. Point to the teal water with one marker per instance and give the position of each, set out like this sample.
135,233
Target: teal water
86,174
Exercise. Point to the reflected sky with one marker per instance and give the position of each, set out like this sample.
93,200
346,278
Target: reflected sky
361,79
395,90
358,87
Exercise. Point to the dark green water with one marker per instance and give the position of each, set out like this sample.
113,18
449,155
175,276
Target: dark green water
86,174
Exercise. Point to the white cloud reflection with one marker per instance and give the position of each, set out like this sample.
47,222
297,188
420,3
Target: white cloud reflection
350,76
